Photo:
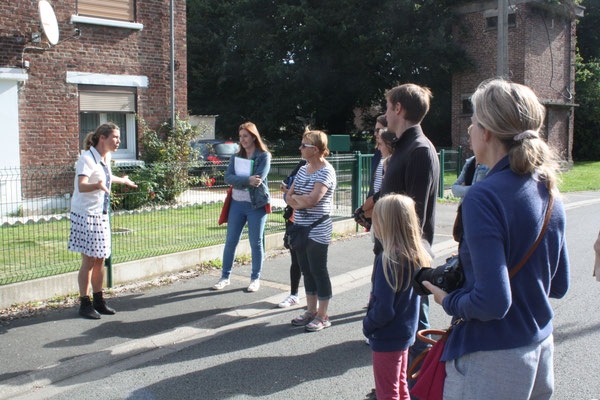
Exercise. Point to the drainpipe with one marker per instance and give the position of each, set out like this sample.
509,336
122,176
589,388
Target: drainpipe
172,7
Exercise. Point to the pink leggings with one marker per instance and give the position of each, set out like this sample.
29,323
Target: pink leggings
389,369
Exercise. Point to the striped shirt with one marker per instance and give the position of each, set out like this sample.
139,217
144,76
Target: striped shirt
378,176
304,184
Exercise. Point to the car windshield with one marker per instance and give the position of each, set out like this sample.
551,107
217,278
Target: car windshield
226,148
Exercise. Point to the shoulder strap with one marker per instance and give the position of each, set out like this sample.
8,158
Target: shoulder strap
517,268
317,222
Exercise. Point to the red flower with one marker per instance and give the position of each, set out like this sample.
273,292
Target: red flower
213,159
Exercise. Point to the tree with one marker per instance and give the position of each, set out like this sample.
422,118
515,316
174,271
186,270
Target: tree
284,64
586,144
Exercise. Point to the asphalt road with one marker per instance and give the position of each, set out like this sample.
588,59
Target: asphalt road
183,341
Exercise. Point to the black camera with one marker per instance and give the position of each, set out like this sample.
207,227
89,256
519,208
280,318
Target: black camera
448,277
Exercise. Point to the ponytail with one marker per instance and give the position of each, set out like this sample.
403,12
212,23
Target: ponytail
92,138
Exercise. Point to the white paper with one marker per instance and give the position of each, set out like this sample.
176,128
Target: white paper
243,166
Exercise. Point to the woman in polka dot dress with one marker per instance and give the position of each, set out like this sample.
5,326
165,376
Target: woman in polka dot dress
90,229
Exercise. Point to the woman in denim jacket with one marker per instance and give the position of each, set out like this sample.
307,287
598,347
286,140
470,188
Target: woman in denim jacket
250,203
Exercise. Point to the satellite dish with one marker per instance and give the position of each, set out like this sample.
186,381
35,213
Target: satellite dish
49,22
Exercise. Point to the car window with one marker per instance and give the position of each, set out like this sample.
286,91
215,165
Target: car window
226,148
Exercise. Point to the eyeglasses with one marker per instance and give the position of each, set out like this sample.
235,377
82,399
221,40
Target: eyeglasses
377,130
304,145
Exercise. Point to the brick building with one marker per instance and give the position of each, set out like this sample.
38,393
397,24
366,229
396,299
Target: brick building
541,55
112,62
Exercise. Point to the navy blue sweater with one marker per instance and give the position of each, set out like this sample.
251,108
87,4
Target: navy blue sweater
502,217
391,321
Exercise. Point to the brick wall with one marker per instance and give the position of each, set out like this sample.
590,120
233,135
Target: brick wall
540,56
48,106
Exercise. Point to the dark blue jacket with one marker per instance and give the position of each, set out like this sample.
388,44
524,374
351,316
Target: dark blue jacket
391,321
259,196
502,217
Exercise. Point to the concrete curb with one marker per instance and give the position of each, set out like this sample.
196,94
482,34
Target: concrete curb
64,284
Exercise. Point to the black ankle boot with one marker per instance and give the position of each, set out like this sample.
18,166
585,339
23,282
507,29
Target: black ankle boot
86,310
100,305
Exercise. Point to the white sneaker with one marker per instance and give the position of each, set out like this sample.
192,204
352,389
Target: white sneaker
221,284
254,285
291,300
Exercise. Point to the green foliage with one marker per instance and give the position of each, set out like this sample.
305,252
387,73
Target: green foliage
166,153
289,63
586,145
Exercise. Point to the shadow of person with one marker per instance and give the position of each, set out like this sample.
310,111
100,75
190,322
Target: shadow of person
261,376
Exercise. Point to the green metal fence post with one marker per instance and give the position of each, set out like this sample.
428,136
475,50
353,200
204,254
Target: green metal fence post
442,172
108,261
356,181
459,161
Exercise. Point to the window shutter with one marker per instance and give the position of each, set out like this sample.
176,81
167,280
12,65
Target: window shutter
106,101
110,9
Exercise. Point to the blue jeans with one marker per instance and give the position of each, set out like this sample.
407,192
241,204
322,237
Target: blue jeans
239,213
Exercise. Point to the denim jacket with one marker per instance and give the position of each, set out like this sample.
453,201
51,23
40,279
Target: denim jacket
259,196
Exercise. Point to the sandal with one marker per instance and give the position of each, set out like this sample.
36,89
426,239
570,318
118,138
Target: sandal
318,324
304,319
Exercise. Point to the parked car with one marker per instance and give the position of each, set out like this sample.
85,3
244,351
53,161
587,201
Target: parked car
215,150
212,156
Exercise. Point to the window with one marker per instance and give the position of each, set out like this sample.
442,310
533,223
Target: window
101,104
492,22
122,10
467,106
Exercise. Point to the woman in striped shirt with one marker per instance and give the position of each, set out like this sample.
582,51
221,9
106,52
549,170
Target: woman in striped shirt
311,196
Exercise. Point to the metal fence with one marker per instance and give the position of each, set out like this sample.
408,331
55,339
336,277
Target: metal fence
176,207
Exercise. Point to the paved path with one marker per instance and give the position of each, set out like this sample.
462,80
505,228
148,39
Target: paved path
185,341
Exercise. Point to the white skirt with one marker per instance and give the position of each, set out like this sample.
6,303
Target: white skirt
90,235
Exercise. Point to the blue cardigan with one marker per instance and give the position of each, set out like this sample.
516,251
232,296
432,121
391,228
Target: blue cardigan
391,320
502,217
259,196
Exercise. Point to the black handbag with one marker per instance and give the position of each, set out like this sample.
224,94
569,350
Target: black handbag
296,236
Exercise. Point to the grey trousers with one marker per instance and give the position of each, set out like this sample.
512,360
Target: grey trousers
514,374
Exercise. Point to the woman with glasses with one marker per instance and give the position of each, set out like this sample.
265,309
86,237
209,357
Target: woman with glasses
250,203
311,197
502,346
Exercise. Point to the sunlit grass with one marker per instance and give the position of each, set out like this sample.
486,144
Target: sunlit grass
585,175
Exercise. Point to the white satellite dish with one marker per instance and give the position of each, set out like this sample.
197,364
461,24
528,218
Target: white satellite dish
49,22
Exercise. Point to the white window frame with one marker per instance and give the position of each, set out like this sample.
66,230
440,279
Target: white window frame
130,152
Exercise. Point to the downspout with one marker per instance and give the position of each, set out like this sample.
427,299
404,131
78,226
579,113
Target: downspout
172,23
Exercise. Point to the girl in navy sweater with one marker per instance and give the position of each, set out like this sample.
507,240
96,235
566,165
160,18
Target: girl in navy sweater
391,320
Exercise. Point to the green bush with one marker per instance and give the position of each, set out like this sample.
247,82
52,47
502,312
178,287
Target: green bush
166,153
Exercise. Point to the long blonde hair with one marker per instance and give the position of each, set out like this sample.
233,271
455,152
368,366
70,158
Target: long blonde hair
508,109
397,227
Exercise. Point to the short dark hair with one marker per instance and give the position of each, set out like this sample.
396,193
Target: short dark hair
382,120
414,99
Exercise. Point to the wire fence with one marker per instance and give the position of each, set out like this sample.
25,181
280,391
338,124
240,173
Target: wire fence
175,208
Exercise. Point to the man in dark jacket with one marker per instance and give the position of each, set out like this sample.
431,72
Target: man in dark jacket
413,169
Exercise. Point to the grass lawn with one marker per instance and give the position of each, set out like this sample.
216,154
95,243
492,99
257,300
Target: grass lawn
36,250
585,175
